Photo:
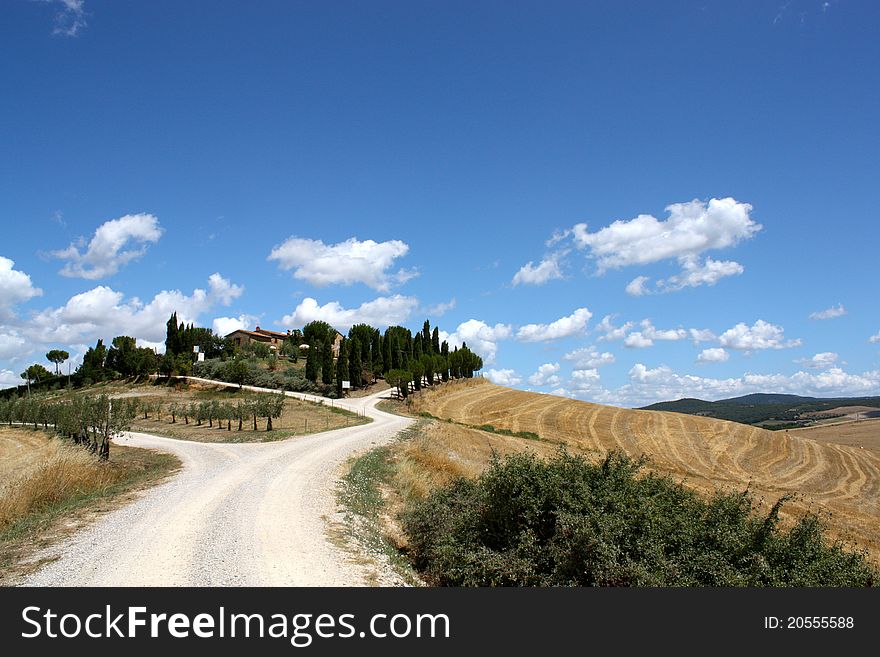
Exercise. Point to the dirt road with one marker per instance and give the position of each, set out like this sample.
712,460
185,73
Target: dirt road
253,514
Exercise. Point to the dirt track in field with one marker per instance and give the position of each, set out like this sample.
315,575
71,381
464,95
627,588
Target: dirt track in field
705,453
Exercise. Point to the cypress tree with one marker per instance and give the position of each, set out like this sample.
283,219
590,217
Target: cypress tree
426,334
435,340
327,362
386,354
312,366
341,366
355,364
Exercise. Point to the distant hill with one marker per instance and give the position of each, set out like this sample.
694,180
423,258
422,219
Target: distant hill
760,408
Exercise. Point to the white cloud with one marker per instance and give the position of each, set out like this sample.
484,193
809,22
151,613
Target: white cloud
503,377
713,355
225,325
700,335
105,313
105,253
652,333
546,375
611,332
440,309
694,273
563,327
874,339
829,313
820,361
223,290
12,344
345,263
481,338
9,379
547,270
690,229
15,286
380,312
70,17
589,358
637,340
648,385
585,379
761,335
636,287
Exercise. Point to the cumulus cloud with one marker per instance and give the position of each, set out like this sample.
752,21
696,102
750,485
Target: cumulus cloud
547,270
610,332
637,340
226,325
503,377
15,286
713,355
653,333
636,287
9,379
11,344
874,339
564,327
481,338
546,375
380,312
690,229
103,312
829,313
345,263
694,273
761,335
648,385
440,309
821,361
589,358
106,252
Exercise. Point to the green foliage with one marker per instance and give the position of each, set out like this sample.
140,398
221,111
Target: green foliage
341,366
57,356
401,380
313,364
318,332
566,522
327,362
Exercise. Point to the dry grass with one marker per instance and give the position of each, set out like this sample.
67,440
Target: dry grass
864,434
49,489
840,481
299,417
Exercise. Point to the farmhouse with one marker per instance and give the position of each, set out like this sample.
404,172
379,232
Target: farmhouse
273,339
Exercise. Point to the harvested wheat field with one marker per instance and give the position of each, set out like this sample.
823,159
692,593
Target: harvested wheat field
841,482
864,434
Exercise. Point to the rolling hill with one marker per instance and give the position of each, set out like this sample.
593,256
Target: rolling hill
842,482
760,408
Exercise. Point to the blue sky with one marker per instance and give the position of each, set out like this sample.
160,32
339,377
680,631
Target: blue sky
621,202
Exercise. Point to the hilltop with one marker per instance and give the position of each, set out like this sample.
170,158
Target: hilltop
773,411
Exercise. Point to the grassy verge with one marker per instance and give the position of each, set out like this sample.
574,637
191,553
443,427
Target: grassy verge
61,490
367,494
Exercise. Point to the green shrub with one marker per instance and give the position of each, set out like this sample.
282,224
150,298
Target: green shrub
566,522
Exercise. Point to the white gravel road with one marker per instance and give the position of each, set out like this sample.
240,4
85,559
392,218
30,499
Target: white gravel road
241,514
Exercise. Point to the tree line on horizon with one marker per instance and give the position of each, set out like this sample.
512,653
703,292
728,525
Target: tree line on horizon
405,359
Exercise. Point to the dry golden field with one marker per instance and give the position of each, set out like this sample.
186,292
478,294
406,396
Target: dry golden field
839,481
864,434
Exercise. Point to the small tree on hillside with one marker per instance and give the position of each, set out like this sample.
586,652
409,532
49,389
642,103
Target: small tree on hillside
399,379
57,356
236,371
